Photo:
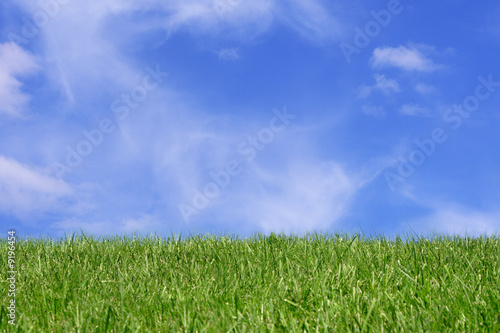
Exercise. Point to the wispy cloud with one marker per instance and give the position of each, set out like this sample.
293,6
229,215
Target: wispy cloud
309,18
413,58
413,110
457,220
382,83
425,89
24,190
230,18
229,54
14,64
304,197
143,223
237,18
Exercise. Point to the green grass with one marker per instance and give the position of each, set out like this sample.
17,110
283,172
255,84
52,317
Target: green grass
318,283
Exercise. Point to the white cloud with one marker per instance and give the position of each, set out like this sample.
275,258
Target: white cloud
245,18
413,110
14,63
387,86
383,84
456,220
309,18
143,223
409,59
425,89
24,190
229,54
303,198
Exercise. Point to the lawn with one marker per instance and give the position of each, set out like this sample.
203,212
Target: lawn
316,283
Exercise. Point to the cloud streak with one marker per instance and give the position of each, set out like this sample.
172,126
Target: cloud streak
406,58
383,84
24,190
15,63
456,220
413,110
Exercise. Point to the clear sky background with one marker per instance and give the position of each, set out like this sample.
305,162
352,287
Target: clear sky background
245,116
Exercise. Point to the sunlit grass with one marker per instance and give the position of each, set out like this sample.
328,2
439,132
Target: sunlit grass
319,283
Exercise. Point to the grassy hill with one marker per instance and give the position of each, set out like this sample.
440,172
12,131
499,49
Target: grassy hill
318,283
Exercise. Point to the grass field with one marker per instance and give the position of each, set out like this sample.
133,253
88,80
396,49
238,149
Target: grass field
318,283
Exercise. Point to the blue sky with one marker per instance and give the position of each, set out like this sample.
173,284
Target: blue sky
236,116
